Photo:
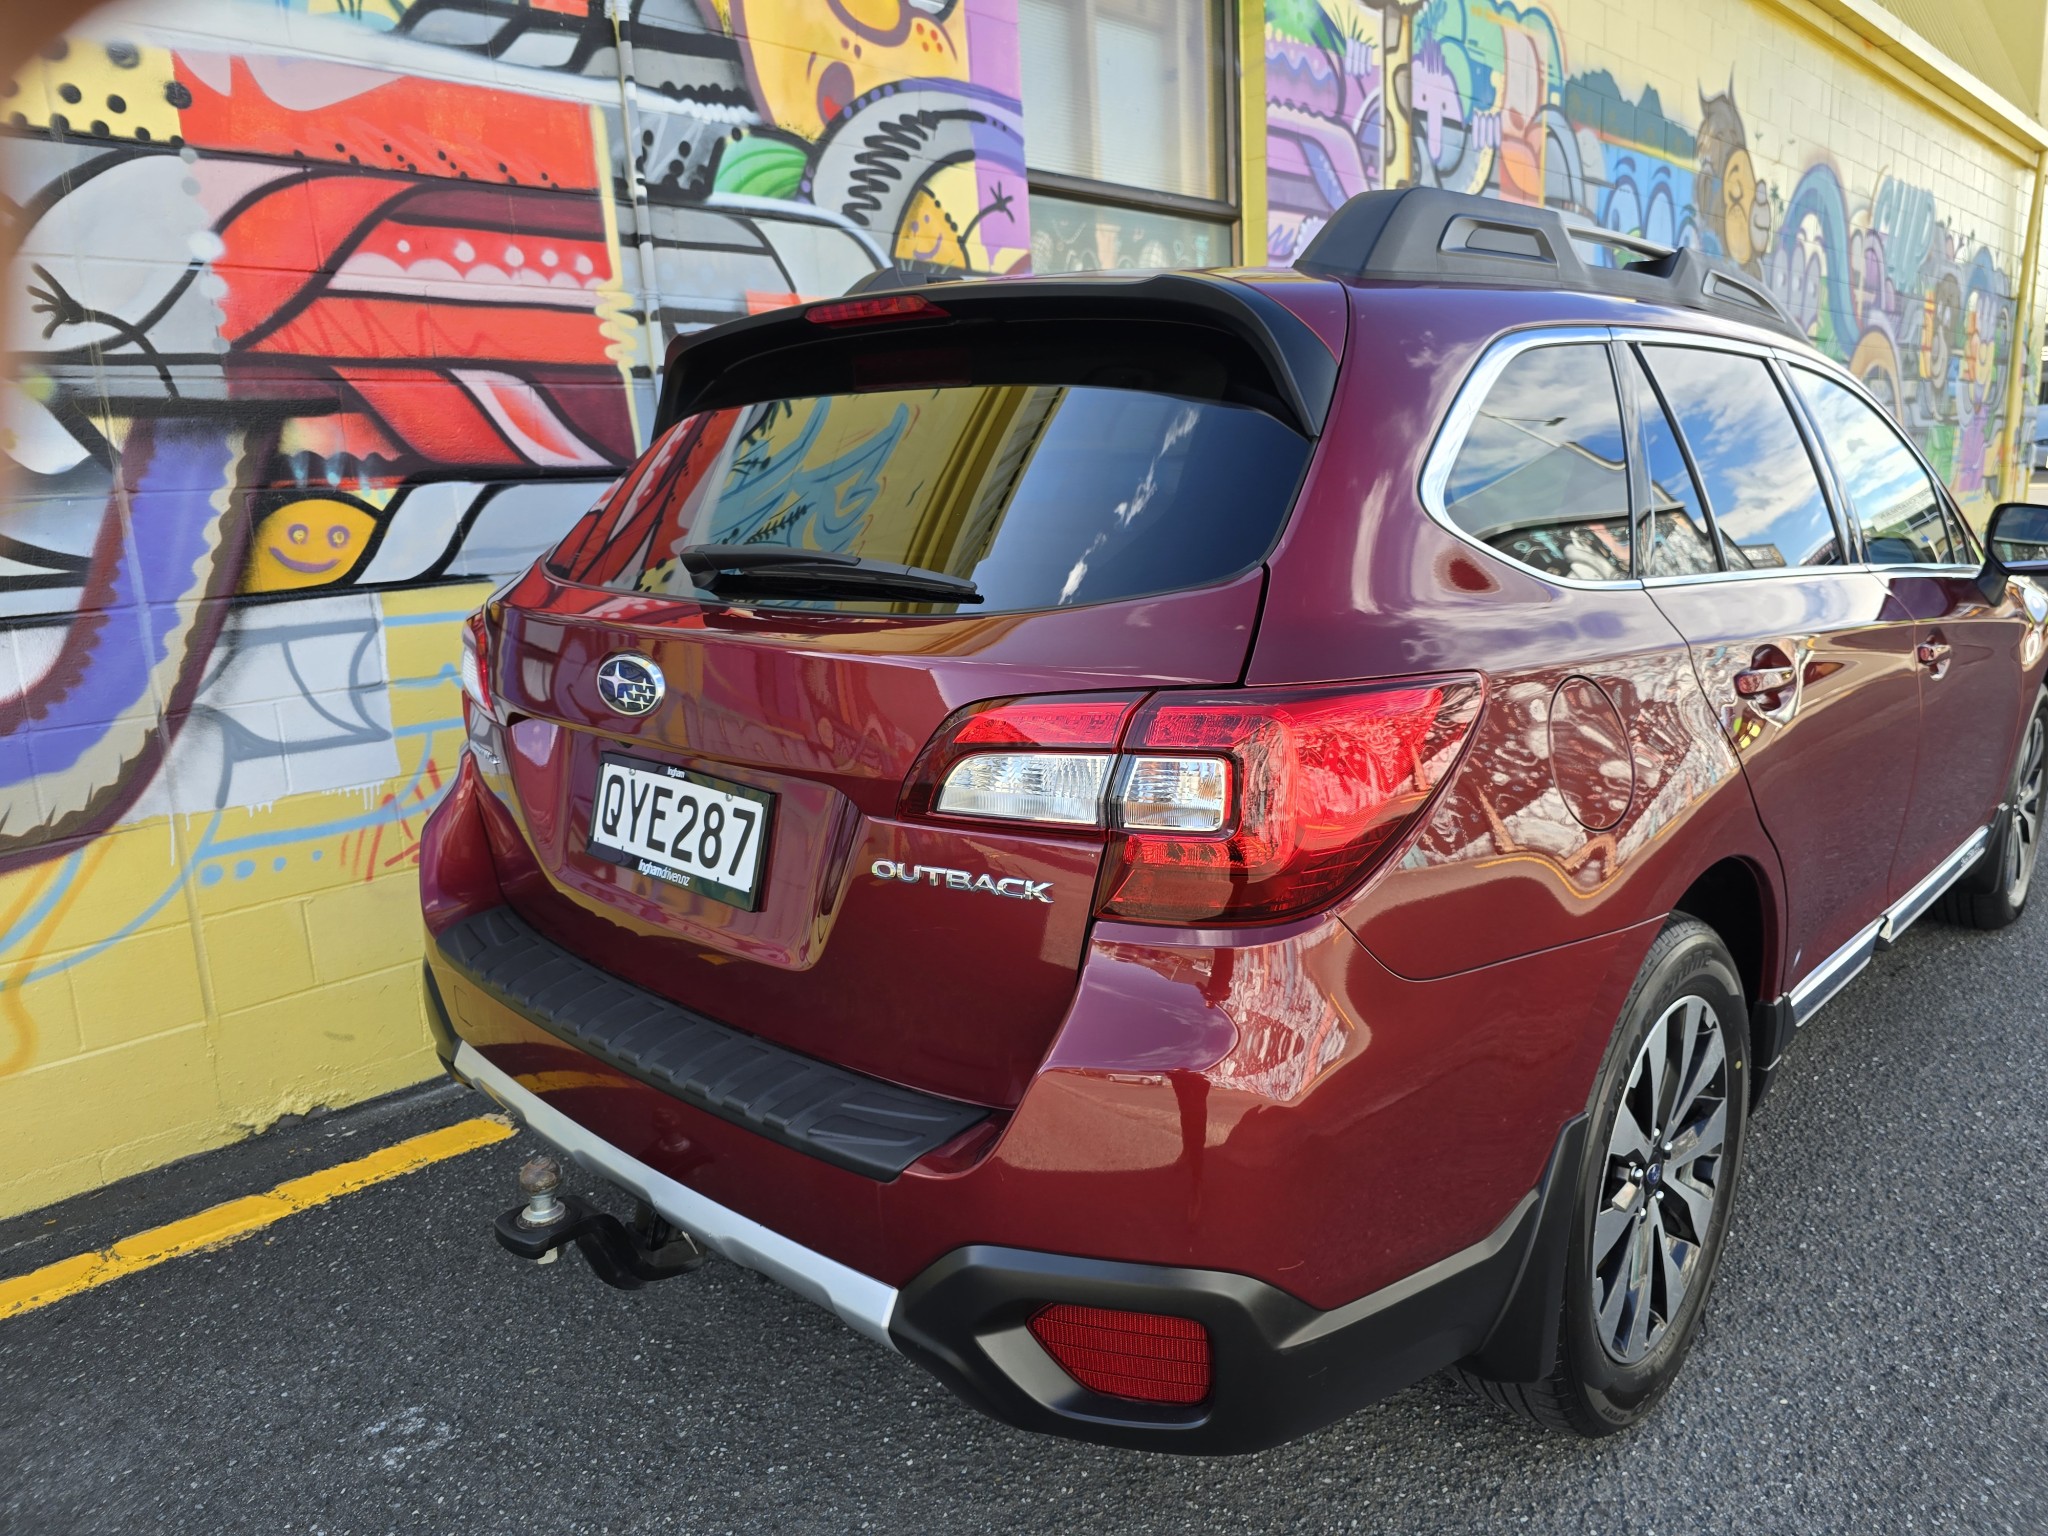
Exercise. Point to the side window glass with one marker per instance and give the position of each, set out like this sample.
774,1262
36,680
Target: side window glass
1893,497
1761,486
1677,539
1542,475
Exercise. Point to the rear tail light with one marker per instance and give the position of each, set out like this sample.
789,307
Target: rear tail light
476,662
1060,787
1141,1356
1325,781
986,761
479,712
1250,805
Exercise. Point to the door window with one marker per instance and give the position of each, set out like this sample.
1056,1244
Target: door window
1765,496
1542,475
1893,497
1677,539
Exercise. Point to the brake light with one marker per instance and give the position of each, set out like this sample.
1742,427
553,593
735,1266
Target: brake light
1146,1357
1326,779
1249,805
894,306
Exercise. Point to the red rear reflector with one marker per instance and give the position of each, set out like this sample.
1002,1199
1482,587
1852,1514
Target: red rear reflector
893,306
1144,1357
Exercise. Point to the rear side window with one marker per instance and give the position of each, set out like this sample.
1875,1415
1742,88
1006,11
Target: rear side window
1677,539
1761,486
1044,496
1542,475
1894,499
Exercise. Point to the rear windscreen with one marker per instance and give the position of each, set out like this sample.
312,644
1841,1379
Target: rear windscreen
1043,495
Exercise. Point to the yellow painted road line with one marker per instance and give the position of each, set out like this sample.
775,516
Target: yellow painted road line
236,1219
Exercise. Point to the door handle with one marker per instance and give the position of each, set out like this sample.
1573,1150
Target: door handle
1933,654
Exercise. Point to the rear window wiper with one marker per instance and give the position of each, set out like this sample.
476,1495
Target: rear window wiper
733,570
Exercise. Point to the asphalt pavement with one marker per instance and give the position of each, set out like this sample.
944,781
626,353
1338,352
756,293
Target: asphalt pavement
1875,1358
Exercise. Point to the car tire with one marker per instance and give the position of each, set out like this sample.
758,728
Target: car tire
1994,891
1644,1245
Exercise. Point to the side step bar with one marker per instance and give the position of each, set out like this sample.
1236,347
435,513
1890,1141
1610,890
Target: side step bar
1819,986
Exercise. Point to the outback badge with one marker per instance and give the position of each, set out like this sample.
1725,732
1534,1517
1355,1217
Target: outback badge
630,684
960,880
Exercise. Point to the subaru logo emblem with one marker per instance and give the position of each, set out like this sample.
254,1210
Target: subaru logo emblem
630,684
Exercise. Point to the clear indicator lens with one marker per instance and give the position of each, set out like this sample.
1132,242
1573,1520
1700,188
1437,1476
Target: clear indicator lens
472,681
1062,787
1174,794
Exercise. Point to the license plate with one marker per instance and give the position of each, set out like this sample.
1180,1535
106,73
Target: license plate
689,829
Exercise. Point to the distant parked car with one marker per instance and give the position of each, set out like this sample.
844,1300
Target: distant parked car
1187,850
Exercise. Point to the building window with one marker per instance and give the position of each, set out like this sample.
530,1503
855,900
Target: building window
1125,114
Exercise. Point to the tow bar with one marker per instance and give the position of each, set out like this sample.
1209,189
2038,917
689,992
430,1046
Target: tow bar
627,1257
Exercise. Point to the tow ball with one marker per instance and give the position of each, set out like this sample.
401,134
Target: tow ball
624,1256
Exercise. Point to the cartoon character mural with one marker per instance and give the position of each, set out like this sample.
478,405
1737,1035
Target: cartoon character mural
316,306
1475,95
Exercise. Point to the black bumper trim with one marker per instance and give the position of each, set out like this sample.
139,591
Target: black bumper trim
1282,1368
845,1118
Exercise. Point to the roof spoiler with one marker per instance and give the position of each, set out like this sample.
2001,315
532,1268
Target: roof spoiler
1299,367
1427,235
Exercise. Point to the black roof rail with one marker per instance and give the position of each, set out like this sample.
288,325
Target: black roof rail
1423,234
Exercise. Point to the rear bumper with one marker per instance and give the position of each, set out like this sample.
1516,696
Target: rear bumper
862,1303
1339,1170
1281,1367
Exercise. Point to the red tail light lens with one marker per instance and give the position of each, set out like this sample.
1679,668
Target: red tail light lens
1325,780
1141,1356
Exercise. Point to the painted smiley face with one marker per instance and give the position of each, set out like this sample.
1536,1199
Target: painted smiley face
311,543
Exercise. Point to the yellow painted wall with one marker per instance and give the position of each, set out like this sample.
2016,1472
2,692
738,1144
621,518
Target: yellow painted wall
322,317
187,978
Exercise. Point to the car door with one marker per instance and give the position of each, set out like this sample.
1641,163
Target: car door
1807,662
1972,675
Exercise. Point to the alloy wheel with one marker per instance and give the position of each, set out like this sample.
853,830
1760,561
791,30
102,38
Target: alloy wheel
2023,844
1662,1179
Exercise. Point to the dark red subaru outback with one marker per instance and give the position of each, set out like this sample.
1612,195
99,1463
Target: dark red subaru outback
1186,850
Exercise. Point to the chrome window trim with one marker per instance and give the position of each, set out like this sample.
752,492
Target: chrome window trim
1464,410
1773,573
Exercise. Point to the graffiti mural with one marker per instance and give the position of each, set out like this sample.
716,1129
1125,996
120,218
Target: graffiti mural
1479,96
318,309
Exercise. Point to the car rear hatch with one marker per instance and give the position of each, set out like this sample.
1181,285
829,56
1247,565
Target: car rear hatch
718,744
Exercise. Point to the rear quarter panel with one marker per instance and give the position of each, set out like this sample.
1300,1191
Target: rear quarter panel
1366,584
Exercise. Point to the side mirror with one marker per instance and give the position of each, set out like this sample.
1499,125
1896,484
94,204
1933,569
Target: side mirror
2017,537
2015,543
